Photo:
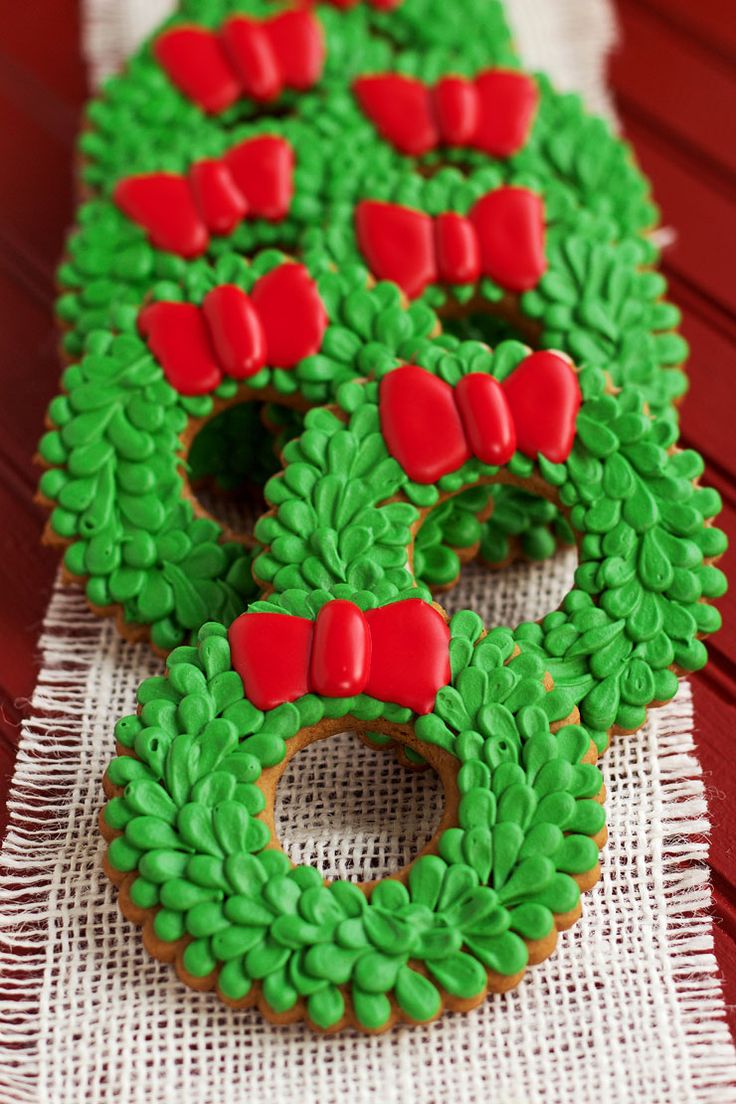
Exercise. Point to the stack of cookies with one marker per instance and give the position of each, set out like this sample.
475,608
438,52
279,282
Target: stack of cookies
347,275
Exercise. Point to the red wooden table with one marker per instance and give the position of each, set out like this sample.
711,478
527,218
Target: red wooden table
673,79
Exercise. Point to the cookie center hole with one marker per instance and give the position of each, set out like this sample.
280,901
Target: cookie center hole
478,322
523,591
495,525
354,812
233,455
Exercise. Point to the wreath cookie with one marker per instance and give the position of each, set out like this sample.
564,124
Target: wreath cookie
552,276
583,281
508,127
220,76
131,409
214,76
358,483
190,816
354,234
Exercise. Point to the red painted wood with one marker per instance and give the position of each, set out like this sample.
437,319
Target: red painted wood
709,22
710,368
44,37
682,108
669,79
7,763
42,89
716,713
30,368
700,209
29,227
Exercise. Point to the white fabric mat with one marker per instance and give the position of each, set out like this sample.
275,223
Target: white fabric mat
628,1009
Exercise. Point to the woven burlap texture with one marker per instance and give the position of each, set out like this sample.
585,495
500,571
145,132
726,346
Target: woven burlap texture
628,1009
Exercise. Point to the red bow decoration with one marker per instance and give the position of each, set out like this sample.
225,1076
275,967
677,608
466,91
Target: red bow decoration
398,654
252,180
492,113
432,429
502,237
379,5
347,5
247,57
282,321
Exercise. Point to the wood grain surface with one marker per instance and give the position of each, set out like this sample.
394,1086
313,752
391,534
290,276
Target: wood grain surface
673,79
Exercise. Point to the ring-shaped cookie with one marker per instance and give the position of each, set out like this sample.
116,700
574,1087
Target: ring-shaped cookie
358,482
205,70
594,304
190,820
164,114
499,245
119,434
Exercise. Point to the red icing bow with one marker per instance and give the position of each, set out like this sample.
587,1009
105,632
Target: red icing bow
432,429
347,5
502,237
246,57
492,113
379,5
398,654
252,180
282,321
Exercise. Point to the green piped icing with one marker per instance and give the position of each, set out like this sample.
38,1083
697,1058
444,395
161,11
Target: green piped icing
598,301
141,122
189,812
643,588
115,471
189,830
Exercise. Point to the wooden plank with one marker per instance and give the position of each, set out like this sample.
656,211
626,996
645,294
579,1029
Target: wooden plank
42,87
711,22
694,93
30,378
715,718
704,218
7,762
26,575
715,715
36,187
725,951
710,370
45,41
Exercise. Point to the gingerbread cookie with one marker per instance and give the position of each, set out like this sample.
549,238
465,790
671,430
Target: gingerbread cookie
423,193
132,407
316,95
190,822
373,467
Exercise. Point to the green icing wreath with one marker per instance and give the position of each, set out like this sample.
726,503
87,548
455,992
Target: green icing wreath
114,454
191,846
142,121
344,511
110,266
600,300
594,302
189,838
